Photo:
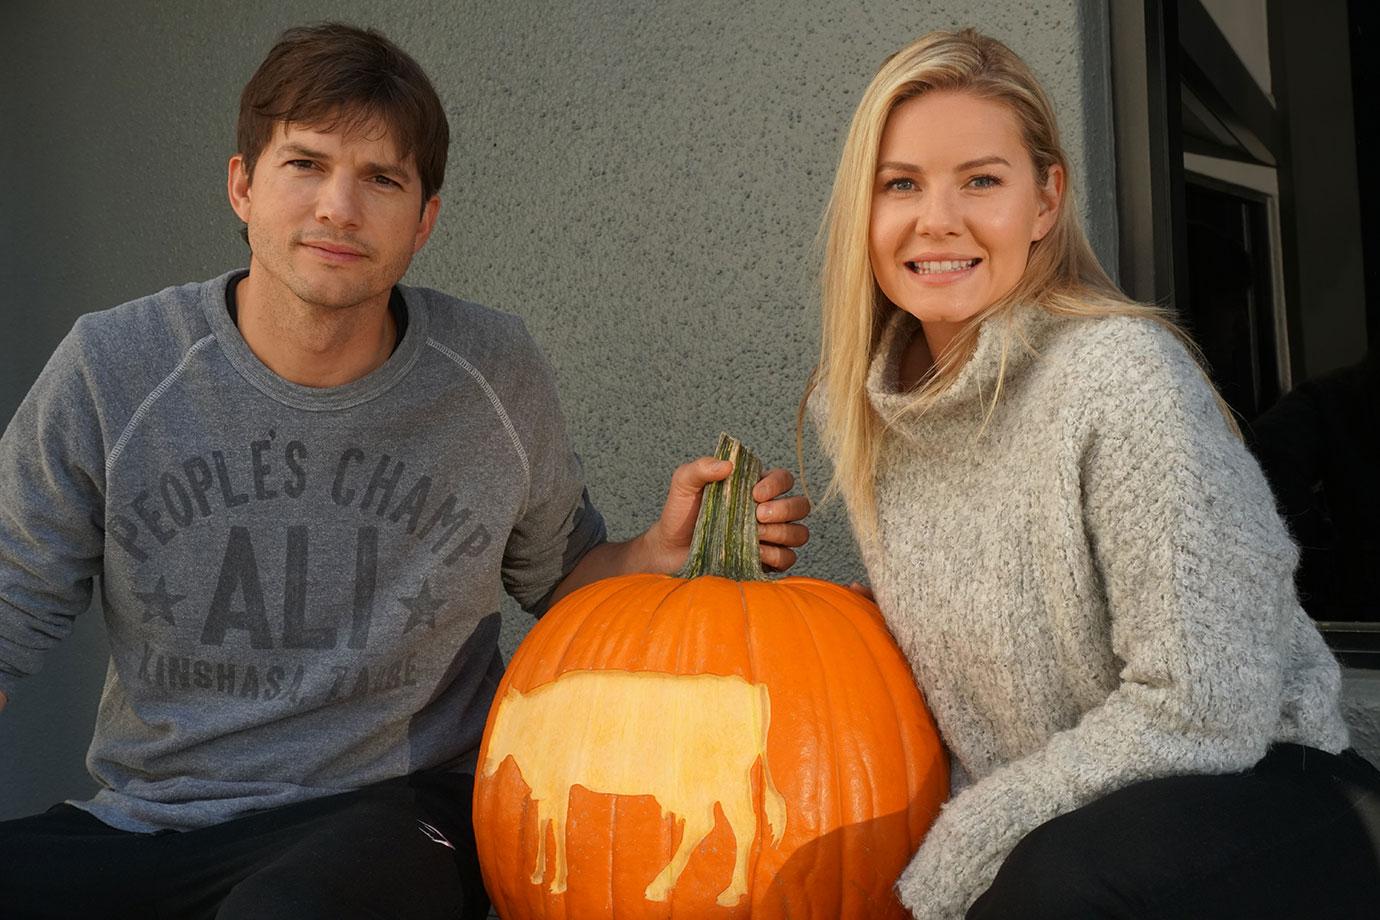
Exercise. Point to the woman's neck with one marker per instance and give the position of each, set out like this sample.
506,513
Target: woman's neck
928,345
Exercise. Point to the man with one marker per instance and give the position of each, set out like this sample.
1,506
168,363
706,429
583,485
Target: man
304,488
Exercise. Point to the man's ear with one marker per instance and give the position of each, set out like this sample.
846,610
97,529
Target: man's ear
1051,196
427,223
237,186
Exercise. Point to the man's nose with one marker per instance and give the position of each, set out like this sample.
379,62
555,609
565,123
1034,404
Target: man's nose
337,201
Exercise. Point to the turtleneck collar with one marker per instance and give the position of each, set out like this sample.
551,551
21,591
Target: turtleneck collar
1019,331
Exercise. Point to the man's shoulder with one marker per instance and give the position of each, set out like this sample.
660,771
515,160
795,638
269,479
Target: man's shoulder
476,333
171,318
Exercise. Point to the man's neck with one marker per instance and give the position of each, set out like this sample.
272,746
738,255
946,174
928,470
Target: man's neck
311,345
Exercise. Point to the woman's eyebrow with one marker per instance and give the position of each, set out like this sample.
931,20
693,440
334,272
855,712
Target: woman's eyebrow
966,165
982,161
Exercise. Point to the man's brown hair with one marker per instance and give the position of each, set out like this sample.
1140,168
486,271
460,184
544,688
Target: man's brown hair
334,76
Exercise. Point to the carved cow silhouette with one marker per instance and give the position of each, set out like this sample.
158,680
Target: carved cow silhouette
688,741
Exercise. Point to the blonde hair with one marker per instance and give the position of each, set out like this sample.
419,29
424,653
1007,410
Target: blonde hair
1062,275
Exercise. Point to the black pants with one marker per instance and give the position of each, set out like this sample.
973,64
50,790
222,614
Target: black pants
402,849
1294,837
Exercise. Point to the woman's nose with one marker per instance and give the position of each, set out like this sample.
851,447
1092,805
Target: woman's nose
937,214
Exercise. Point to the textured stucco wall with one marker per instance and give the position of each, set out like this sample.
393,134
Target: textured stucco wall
642,182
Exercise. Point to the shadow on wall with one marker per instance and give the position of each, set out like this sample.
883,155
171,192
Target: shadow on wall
42,759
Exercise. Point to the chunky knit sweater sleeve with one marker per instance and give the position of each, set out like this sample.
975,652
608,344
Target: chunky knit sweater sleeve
1196,569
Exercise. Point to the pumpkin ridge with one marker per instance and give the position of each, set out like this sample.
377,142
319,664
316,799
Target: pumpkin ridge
550,633
906,739
636,622
621,589
755,857
613,851
845,614
667,616
879,639
825,680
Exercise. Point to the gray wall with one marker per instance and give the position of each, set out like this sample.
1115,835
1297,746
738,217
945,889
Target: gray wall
642,182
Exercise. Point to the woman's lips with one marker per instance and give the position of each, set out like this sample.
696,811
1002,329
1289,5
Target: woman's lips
942,271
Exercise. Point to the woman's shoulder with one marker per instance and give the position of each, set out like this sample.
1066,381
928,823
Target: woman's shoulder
1119,354
1113,340
1135,380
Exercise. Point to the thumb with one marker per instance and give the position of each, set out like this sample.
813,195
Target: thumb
677,522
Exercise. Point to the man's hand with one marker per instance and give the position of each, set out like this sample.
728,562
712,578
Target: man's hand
668,540
663,548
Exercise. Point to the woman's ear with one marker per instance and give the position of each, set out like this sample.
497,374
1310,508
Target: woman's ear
1051,196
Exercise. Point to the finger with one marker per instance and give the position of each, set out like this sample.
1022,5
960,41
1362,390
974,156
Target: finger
777,558
858,587
774,482
779,510
690,478
783,534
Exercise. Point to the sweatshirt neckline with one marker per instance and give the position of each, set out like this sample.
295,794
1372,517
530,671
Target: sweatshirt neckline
1018,331
320,399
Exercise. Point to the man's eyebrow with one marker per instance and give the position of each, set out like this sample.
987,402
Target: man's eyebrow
969,164
302,150
392,170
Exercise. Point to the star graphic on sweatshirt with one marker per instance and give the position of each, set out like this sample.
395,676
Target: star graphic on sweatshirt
422,608
159,603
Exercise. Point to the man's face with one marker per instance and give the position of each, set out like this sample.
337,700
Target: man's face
334,218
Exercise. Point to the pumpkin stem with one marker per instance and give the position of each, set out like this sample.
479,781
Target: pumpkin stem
725,540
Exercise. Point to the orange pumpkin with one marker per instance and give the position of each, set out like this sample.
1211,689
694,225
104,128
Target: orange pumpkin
703,746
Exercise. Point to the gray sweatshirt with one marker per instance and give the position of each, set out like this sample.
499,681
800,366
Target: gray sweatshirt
1093,589
301,586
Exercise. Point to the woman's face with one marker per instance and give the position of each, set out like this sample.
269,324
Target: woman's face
955,206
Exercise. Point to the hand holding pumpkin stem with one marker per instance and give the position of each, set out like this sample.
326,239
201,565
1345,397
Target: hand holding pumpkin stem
676,534
665,546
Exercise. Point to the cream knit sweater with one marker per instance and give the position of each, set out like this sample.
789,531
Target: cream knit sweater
1093,589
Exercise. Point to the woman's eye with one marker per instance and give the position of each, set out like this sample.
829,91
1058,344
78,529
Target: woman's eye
901,185
984,182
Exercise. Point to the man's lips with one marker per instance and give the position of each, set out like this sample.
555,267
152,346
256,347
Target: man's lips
334,252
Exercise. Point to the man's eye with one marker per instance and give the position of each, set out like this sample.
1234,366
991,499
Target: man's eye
385,181
301,164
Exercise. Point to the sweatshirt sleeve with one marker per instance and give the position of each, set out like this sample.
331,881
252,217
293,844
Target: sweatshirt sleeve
558,524
1197,571
52,481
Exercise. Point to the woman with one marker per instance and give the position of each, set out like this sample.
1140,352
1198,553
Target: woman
1081,561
